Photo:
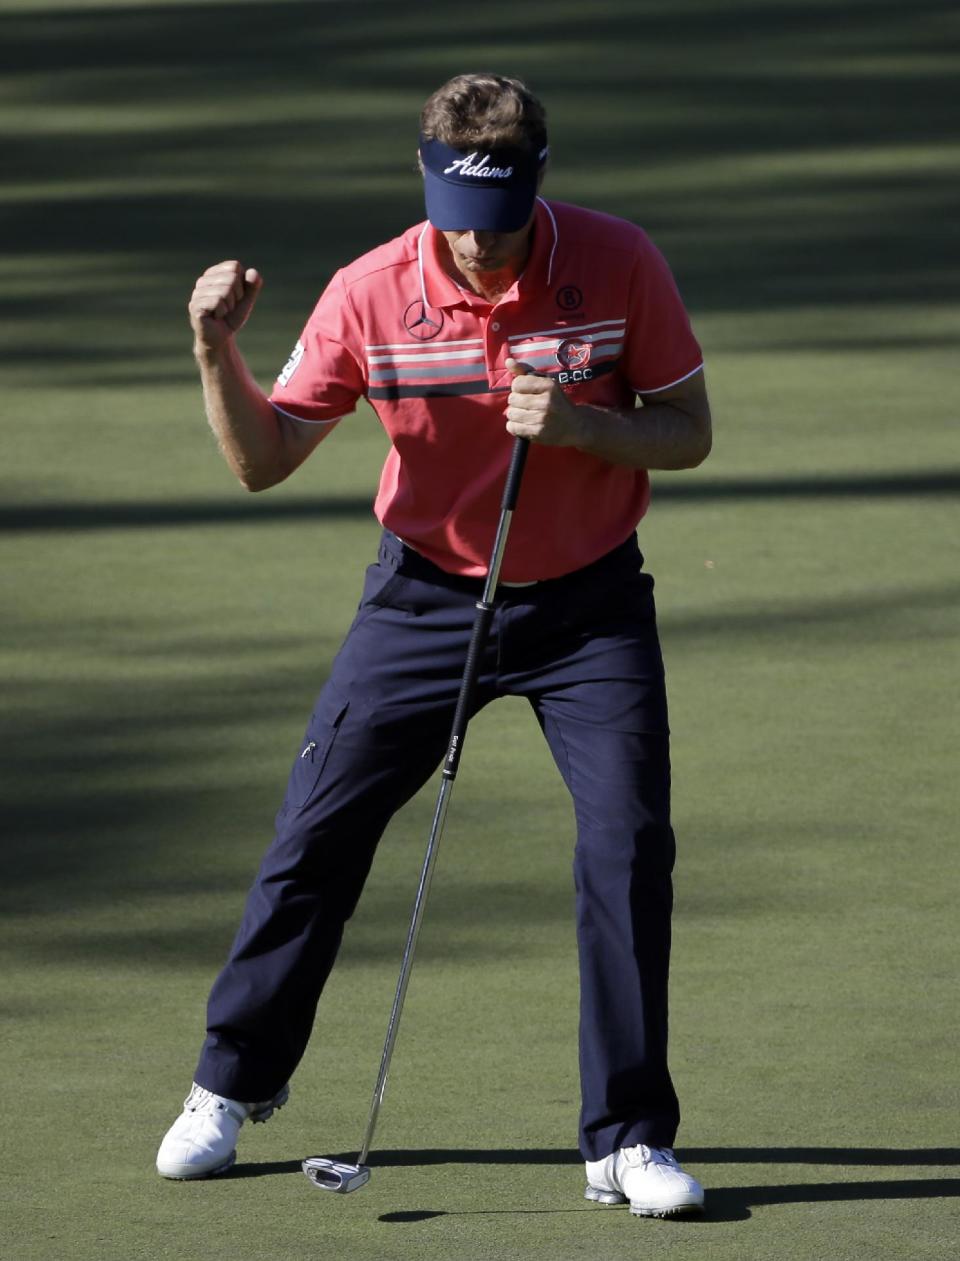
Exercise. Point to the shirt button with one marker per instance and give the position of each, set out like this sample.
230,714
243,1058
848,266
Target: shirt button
495,326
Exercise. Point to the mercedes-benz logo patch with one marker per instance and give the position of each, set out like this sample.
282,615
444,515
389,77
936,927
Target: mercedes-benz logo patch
421,322
569,298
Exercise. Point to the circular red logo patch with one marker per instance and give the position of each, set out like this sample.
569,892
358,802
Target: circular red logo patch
573,353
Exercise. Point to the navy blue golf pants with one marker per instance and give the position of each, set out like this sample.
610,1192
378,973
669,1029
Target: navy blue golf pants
583,649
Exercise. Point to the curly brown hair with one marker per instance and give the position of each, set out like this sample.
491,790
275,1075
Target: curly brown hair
486,111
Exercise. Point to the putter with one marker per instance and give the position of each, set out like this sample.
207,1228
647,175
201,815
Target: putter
337,1175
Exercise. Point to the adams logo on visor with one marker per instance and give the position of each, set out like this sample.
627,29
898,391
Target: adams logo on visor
292,364
469,166
479,170
491,190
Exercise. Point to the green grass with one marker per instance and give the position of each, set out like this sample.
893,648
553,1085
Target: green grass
163,636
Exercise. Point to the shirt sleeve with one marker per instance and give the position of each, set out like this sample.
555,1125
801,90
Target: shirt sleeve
324,376
660,349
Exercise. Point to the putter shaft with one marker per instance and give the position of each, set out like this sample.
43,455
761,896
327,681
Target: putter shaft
481,627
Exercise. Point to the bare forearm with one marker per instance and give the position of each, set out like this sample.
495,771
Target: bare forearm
260,446
656,436
246,425
671,430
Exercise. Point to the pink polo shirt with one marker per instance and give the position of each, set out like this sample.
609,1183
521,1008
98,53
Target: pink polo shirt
596,307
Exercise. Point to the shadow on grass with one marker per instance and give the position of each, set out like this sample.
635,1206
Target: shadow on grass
724,1204
129,811
770,144
874,1156
144,514
733,1204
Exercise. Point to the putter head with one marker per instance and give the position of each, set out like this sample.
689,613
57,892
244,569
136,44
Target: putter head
335,1175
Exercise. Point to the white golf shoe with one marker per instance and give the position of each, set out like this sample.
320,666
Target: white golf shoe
203,1139
649,1177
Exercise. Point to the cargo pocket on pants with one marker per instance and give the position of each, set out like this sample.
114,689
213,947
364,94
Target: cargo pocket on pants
321,733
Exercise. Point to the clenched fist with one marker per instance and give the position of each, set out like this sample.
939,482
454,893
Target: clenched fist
538,409
221,301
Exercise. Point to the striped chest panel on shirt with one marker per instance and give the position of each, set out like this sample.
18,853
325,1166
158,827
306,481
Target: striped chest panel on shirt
434,369
572,353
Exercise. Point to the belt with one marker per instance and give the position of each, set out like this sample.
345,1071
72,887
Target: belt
406,560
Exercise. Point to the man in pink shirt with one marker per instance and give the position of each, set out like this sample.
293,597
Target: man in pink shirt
502,315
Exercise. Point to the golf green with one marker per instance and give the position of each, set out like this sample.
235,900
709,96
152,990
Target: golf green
160,645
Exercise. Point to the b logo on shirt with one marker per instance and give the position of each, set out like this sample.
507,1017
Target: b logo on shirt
569,298
420,323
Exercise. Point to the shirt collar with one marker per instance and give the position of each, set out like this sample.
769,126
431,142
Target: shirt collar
440,291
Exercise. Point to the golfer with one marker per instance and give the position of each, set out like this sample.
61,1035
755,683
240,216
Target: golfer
502,315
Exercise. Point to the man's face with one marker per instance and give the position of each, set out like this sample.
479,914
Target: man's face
475,252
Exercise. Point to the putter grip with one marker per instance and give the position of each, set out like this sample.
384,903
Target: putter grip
511,490
481,625
481,629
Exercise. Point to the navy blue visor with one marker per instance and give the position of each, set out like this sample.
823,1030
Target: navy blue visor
483,190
